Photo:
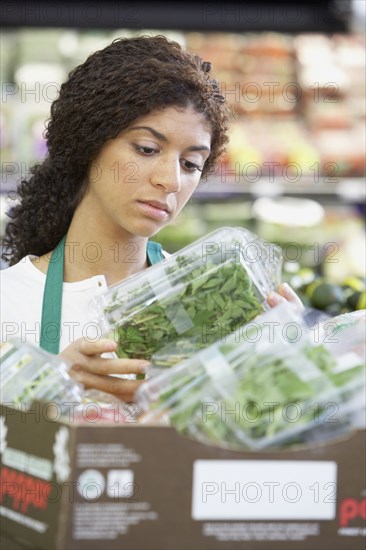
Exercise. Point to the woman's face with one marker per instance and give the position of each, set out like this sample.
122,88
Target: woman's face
142,179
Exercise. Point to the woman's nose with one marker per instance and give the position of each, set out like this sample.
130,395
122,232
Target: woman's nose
166,175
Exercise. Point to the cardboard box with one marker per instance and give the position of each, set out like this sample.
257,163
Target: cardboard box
95,485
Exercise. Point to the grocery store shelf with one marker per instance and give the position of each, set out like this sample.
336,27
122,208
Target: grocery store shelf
349,190
346,190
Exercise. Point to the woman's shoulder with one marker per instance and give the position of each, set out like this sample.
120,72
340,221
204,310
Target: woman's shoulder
21,270
10,270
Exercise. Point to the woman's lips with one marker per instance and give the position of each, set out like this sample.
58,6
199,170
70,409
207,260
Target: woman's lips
153,211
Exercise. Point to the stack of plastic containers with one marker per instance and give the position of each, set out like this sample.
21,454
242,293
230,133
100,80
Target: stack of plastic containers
29,373
188,301
263,387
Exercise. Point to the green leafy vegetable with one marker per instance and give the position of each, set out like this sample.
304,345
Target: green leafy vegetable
271,397
197,305
30,373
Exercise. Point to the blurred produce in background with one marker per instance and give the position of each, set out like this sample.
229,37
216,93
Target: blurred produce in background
300,100
295,166
323,248
323,293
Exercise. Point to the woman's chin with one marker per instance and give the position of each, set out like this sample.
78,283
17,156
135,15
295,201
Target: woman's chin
147,228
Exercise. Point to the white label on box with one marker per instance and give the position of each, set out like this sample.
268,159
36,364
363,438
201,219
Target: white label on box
264,490
91,484
120,484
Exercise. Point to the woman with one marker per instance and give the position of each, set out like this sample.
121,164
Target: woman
133,130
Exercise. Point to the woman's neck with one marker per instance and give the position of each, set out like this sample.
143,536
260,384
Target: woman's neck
90,251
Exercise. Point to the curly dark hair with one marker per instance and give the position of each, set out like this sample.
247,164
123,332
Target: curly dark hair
126,80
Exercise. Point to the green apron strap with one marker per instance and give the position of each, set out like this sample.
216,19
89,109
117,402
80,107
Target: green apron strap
154,253
52,295
52,301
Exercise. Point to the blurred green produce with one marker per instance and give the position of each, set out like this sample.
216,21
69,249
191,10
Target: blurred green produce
184,230
320,292
198,219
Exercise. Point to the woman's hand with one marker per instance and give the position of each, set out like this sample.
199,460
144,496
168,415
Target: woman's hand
93,371
285,293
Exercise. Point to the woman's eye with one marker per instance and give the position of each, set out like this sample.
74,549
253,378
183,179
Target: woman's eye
190,166
145,150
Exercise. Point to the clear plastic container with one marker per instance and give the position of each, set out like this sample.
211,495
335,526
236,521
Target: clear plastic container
28,373
261,412
344,337
278,326
255,394
207,289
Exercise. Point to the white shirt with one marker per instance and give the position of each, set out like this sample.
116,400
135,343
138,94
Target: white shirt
21,291
21,297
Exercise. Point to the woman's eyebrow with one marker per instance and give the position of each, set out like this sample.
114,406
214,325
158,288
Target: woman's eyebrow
161,137
155,133
198,148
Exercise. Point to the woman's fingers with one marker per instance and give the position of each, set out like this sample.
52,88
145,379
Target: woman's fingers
108,384
274,299
285,293
93,371
103,345
85,355
84,348
102,366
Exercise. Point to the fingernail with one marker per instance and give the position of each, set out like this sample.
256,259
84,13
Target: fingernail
144,365
275,299
110,345
286,288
